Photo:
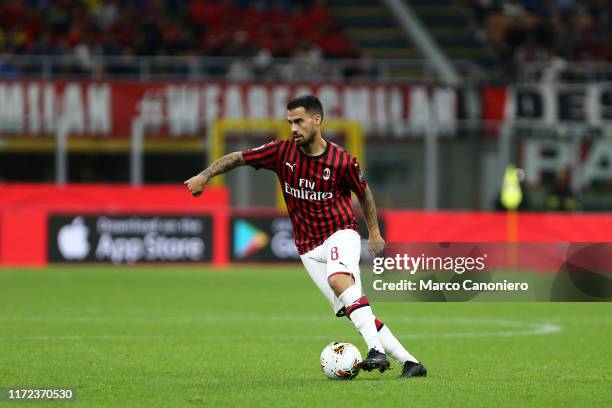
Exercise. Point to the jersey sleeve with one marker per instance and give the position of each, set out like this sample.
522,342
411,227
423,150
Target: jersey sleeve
353,177
264,156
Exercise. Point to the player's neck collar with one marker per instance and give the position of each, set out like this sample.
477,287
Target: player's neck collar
318,155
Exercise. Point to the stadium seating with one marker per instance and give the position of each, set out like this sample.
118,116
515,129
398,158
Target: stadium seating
369,24
452,28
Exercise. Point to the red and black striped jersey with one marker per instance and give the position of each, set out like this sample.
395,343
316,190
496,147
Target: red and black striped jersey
317,189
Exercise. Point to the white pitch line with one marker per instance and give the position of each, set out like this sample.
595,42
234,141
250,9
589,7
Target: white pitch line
259,318
245,318
518,328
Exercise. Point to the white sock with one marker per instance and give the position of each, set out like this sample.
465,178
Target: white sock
393,347
362,316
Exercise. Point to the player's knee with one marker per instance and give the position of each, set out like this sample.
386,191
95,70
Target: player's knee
339,282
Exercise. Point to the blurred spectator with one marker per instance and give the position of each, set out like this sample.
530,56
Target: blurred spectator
7,68
262,64
240,70
306,64
530,51
554,70
362,68
45,45
568,34
125,65
561,197
82,53
106,13
513,8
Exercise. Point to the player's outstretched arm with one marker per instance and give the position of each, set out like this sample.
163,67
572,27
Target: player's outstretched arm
226,163
376,243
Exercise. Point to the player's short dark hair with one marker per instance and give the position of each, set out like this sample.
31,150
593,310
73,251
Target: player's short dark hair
310,103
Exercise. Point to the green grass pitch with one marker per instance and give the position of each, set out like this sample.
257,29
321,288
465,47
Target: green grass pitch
251,336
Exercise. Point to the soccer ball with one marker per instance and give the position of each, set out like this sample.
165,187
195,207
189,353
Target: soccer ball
341,361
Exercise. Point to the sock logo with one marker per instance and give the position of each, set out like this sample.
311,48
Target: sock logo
361,302
354,305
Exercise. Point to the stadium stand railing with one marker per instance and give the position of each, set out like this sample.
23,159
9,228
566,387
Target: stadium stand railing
306,68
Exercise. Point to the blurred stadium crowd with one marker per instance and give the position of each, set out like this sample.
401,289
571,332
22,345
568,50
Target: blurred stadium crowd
256,31
210,27
553,32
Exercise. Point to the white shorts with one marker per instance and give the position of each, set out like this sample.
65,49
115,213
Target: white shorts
339,253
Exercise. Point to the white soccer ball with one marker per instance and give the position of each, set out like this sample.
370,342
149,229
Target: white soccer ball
341,361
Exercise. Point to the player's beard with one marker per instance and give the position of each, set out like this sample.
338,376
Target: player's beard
303,141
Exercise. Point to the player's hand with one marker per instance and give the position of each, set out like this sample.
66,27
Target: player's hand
196,184
376,244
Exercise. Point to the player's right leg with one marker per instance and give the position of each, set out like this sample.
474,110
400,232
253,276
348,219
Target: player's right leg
351,302
343,253
315,263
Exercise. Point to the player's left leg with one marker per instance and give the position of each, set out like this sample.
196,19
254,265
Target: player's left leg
343,252
411,367
315,263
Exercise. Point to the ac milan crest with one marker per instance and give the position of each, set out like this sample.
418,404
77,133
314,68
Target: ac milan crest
326,173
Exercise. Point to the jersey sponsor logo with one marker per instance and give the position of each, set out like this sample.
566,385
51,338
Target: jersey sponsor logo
326,173
307,194
291,166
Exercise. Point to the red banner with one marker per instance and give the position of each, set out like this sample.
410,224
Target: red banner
106,109
25,210
447,226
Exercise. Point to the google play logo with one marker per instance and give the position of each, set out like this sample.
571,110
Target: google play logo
248,239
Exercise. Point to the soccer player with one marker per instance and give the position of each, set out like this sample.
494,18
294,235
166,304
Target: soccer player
317,178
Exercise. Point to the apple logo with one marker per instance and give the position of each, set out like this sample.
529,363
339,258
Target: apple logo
72,240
